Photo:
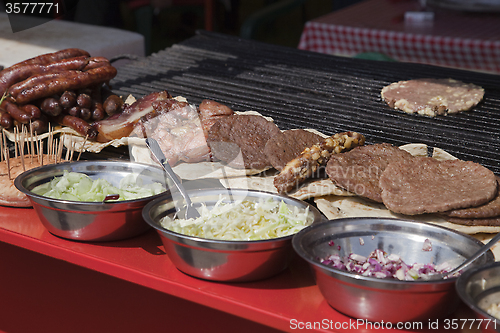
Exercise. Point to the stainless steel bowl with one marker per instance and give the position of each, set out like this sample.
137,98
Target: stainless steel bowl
374,299
479,288
220,260
91,221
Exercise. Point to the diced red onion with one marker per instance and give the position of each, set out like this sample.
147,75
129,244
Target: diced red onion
381,265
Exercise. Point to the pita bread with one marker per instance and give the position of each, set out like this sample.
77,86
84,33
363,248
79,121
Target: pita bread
313,188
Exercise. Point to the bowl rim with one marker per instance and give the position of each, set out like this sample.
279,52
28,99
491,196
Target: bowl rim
145,214
19,180
466,298
298,249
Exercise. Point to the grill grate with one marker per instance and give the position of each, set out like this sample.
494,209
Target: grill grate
302,89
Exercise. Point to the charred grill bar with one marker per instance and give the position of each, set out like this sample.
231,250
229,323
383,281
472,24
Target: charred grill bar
301,89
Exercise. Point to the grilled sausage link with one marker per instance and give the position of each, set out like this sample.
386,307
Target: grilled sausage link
5,119
303,167
16,112
96,62
51,84
79,125
48,58
13,75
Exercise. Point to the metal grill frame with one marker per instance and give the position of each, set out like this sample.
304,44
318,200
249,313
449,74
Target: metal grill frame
302,89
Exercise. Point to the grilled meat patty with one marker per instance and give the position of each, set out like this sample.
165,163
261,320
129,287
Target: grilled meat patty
425,185
242,134
286,146
359,170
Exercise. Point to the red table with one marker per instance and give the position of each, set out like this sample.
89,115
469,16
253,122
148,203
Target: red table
49,284
455,39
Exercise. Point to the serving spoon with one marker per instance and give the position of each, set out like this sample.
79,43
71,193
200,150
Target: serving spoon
155,149
469,260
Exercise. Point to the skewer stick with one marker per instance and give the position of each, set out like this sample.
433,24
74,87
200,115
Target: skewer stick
49,142
82,148
15,142
59,150
41,151
32,139
72,149
21,149
8,160
1,145
67,152
4,140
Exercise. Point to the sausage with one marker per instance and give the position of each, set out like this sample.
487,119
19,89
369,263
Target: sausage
69,80
85,114
67,99
16,113
51,107
40,125
96,62
18,73
84,101
47,58
5,119
31,109
97,108
81,126
112,105
74,111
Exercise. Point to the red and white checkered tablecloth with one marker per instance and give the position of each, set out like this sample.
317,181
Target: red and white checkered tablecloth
476,47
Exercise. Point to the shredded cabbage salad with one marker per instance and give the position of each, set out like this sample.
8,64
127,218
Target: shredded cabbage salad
379,264
77,186
243,220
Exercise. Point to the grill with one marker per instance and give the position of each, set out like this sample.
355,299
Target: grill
302,89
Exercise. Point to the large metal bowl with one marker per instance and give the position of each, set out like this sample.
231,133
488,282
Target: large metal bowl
479,288
91,221
220,260
388,300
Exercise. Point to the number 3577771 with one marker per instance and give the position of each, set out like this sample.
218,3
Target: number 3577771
32,8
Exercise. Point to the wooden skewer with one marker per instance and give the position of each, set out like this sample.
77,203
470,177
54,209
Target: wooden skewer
21,149
1,145
59,150
8,160
67,152
15,142
82,148
32,139
5,143
40,150
72,149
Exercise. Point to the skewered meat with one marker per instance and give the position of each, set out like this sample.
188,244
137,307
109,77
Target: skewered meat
311,159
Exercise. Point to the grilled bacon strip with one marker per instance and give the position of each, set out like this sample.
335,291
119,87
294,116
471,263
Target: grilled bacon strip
303,167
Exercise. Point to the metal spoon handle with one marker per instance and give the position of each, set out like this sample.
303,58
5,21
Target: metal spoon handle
476,255
156,150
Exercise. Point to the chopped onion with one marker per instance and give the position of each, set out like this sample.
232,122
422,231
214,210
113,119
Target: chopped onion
427,245
379,264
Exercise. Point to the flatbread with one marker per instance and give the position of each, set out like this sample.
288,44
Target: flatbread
310,189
